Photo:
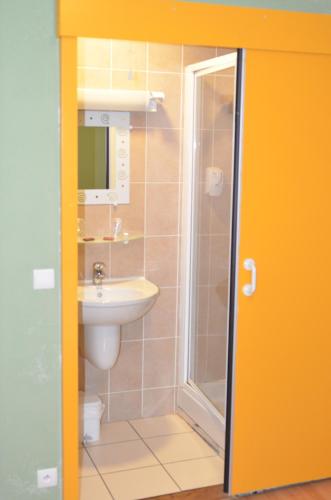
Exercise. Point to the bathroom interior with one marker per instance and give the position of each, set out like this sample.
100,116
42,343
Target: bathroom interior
155,194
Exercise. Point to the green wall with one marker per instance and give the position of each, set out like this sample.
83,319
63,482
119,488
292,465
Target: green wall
321,6
30,404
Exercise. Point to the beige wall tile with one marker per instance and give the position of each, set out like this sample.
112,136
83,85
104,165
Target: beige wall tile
96,381
206,153
132,214
96,219
203,258
138,119
132,331
125,405
194,54
162,209
135,80
221,51
105,399
218,311
92,253
204,211
200,358
168,113
125,375
93,52
161,260
216,358
223,153
163,159
159,363
127,260
158,402
207,96
81,346
81,366
93,78
202,310
164,57
161,320
137,154
219,260
129,55
224,99
220,215
81,262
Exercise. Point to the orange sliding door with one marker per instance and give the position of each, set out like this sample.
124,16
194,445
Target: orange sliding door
281,419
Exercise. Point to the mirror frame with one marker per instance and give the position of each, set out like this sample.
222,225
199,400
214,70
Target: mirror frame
118,125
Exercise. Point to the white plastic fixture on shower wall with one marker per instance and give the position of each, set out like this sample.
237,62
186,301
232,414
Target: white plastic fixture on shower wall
214,181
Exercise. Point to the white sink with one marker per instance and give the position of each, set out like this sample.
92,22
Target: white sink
103,309
116,303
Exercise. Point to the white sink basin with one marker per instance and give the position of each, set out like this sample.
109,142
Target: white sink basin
102,311
116,303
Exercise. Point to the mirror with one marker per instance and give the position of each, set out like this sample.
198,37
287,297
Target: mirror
103,157
93,164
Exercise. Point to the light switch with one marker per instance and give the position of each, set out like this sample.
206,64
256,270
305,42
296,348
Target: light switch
43,279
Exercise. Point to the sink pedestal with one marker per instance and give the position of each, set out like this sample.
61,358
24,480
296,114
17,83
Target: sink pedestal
102,345
104,309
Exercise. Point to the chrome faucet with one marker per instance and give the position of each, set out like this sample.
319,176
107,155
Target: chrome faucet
98,274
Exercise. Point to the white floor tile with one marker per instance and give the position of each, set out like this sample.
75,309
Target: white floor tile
93,488
122,456
86,467
178,447
197,473
141,483
115,432
160,426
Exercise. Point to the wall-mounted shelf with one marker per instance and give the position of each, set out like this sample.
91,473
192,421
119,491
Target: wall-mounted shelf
124,238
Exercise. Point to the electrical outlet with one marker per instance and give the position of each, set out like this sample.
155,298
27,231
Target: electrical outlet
47,478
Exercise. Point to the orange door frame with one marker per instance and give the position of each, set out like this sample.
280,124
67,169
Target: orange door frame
182,23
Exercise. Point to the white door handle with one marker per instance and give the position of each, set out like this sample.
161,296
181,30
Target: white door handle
249,289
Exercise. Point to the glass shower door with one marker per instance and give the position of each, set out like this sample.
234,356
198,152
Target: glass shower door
211,88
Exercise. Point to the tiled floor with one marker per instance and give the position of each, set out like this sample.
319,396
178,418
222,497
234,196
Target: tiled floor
145,458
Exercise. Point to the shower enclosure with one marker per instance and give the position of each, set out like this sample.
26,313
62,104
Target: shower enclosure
209,127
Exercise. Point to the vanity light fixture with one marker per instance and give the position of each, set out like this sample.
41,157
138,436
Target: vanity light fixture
119,100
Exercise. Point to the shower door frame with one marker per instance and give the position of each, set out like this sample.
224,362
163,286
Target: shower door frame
191,400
